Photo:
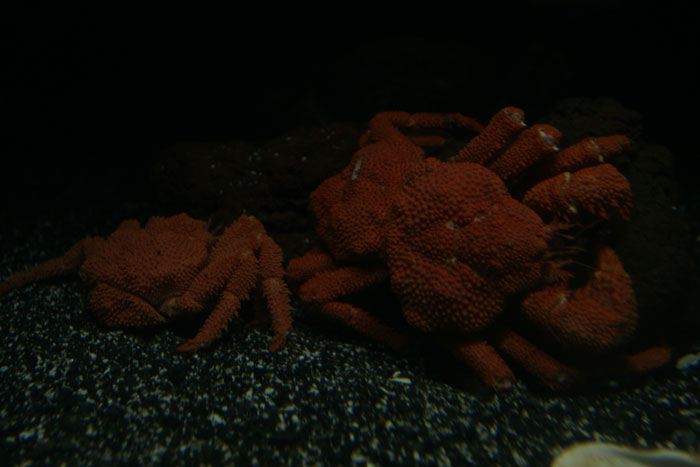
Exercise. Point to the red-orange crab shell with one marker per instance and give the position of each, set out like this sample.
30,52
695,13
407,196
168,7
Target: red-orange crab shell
497,246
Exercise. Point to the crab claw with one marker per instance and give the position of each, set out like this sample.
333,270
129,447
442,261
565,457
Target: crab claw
597,317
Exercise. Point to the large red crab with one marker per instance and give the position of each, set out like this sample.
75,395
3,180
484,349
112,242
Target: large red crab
173,267
456,246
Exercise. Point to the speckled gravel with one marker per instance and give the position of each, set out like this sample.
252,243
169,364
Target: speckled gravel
73,393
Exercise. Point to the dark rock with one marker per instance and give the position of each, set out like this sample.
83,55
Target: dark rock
272,181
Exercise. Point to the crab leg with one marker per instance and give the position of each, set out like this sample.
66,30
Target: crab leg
484,358
275,291
601,190
239,284
363,323
531,145
53,267
549,371
312,262
648,359
501,129
209,283
328,285
386,126
481,357
588,152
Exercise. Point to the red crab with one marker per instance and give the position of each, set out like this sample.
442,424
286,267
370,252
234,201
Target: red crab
145,276
456,246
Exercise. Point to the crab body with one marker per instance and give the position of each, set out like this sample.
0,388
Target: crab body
480,247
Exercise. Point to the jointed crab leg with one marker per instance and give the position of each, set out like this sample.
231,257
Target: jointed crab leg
601,190
549,371
328,285
588,152
276,291
242,280
325,282
387,126
312,262
502,128
68,262
364,323
481,357
532,145
238,276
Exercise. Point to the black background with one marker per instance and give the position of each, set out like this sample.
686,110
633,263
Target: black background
92,95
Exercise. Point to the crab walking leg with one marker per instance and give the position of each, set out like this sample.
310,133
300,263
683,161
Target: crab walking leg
364,323
648,359
312,262
427,141
481,357
552,373
328,285
386,126
277,295
276,291
238,287
53,267
443,120
588,152
600,190
209,283
502,127
643,361
533,144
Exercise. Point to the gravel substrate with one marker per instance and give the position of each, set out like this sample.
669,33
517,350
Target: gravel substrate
73,393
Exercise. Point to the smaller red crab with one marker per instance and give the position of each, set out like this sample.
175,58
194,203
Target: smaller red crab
174,267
